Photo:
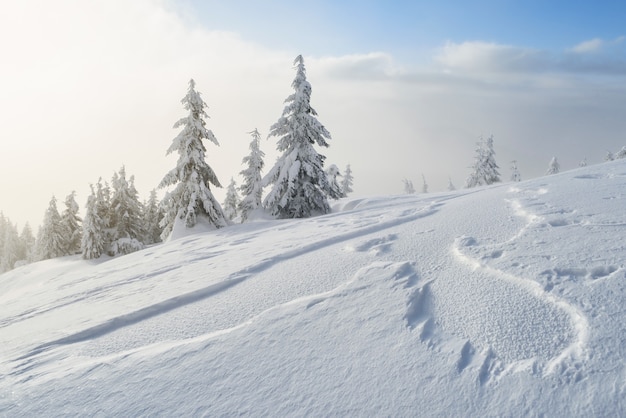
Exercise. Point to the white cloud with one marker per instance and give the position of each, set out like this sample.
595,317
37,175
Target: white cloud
586,47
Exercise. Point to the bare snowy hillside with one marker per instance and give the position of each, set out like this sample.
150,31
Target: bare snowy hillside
498,301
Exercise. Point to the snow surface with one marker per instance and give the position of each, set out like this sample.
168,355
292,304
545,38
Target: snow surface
507,300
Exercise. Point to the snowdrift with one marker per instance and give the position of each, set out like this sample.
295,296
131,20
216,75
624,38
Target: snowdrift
497,301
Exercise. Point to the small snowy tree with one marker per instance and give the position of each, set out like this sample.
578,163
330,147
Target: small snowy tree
347,181
51,241
299,186
408,186
71,223
103,209
252,186
553,167
424,185
621,153
231,201
485,169
334,189
126,215
609,156
515,174
450,185
10,248
192,176
583,163
27,244
152,217
93,242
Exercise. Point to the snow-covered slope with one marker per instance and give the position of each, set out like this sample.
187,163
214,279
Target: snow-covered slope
500,301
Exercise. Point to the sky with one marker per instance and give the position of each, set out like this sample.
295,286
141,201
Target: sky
405,88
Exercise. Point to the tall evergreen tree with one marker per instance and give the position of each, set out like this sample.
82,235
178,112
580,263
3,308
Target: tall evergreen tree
424,185
621,153
231,202
70,222
299,187
252,186
102,205
152,218
51,240
192,176
10,248
93,243
347,181
126,211
485,169
27,244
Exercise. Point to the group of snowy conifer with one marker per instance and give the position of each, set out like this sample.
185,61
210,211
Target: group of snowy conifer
298,185
116,222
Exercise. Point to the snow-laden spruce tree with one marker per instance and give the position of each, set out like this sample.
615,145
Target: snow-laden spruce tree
93,242
485,169
9,252
450,185
51,240
252,186
231,201
299,186
334,189
27,245
554,166
71,222
152,217
347,181
424,185
609,156
126,215
621,153
583,162
408,186
191,197
515,174
103,208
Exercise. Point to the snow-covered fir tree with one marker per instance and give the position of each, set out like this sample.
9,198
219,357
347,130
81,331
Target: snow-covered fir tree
191,197
334,189
485,169
103,209
583,163
347,181
553,167
51,240
27,245
424,185
298,184
252,186
515,174
231,201
93,243
609,156
71,222
152,217
450,185
9,253
408,186
621,153
126,215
